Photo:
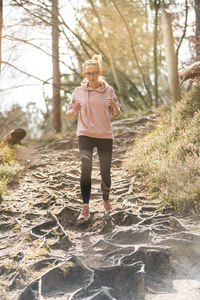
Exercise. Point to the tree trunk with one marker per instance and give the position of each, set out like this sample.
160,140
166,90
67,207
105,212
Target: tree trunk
197,12
155,52
1,25
171,58
56,102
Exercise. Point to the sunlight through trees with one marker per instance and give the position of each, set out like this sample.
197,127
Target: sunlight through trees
128,35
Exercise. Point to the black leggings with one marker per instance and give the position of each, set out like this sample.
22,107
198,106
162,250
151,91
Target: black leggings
104,148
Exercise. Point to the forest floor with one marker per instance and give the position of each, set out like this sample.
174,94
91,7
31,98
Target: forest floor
143,250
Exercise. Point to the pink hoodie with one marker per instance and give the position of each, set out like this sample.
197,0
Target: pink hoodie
94,115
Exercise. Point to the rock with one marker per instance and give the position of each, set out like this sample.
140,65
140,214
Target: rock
14,137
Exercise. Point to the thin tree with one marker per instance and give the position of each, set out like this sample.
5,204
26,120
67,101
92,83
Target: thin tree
56,109
171,58
197,12
156,5
1,25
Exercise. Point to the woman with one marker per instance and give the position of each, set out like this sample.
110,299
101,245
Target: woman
95,101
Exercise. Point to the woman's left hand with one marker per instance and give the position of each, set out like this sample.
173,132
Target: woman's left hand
114,109
111,102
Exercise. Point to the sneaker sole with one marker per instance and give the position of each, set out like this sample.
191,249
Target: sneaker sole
83,219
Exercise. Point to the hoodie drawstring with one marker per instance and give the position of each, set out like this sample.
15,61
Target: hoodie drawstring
88,109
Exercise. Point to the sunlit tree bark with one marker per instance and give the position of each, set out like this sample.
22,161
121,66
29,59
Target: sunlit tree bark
171,58
1,25
56,109
197,12
190,72
155,49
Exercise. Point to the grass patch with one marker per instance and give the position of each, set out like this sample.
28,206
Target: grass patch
168,158
9,167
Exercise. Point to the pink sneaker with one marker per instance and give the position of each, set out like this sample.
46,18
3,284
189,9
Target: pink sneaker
107,207
85,213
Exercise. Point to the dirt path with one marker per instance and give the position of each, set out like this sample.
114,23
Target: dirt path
142,251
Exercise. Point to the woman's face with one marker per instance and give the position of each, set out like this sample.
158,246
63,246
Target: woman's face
92,74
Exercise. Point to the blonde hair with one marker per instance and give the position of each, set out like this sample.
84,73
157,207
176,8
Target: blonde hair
95,60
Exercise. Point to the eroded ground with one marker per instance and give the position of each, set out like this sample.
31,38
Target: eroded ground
141,251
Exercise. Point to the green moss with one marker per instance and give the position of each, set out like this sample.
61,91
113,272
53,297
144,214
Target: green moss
9,167
7,154
66,266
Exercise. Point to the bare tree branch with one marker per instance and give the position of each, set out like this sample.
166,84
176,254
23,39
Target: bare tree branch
106,59
109,54
134,53
23,72
33,45
18,86
190,72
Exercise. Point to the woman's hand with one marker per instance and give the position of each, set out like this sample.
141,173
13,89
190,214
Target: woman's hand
74,108
111,102
114,109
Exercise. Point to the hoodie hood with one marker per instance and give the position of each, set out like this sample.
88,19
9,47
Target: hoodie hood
101,89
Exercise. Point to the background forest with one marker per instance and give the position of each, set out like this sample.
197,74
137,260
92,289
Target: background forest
61,35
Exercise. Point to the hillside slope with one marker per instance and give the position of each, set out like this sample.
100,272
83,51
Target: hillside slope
168,158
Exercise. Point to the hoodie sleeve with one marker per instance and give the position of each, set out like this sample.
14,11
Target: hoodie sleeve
73,97
113,95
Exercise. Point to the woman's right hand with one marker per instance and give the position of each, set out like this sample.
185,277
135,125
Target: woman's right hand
76,107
